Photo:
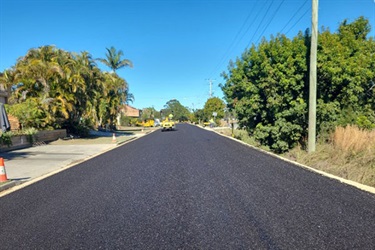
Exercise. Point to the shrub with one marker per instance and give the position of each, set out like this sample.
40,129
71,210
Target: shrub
30,132
6,138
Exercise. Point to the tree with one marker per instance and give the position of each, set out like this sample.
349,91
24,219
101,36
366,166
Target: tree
346,60
199,115
212,105
149,113
40,76
268,86
7,78
175,107
53,88
113,59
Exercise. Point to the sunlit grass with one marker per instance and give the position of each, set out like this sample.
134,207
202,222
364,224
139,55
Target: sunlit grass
352,140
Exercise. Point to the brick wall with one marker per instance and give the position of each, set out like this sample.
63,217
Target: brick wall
14,123
50,135
22,141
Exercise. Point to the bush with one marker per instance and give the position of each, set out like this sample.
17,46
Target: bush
6,138
29,132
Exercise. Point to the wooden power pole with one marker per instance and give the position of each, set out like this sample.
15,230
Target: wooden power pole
313,74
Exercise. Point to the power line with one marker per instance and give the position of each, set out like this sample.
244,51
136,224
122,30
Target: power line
239,38
264,16
299,9
273,16
298,20
234,43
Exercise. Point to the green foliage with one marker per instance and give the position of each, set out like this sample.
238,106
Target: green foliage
199,116
267,86
78,128
113,59
366,122
175,107
29,113
30,132
212,105
53,88
6,138
149,113
128,121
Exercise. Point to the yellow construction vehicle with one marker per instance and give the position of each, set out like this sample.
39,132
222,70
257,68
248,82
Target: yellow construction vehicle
146,123
168,124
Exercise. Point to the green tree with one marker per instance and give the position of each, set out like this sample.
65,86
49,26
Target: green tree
28,113
113,59
112,98
198,116
346,62
39,76
177,109
149,113
57,89
214,104
268,86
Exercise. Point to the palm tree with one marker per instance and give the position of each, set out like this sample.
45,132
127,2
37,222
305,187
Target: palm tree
7,79
113,59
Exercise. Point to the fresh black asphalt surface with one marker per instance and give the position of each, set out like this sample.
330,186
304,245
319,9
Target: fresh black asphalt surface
187,189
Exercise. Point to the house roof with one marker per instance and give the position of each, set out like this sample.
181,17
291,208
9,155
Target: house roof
130,111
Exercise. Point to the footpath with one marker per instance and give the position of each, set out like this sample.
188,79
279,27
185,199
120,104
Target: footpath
26,166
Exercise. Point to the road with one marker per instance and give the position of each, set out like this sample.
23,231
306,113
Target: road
187,189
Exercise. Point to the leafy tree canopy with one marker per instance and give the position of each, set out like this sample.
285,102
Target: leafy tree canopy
177,109
114,59
212,105
149,113
53,88
267,86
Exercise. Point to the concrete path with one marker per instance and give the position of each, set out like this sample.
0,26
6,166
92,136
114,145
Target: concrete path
33,162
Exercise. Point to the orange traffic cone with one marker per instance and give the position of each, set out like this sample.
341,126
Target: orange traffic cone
3,174
114,137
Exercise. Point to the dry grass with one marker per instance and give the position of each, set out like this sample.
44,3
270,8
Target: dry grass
353,140
350,155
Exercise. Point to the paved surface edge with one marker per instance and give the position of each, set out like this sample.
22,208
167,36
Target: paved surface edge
14,185
348,182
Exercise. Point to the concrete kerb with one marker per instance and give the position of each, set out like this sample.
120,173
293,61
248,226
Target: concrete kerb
360,186
14,185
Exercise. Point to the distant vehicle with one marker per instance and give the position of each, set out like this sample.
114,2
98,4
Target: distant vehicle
168,124
157,123
146,123
206,124
210,123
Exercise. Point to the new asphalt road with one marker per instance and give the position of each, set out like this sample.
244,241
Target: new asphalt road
187,189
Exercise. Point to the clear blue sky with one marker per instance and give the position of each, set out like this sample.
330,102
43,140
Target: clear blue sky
175,45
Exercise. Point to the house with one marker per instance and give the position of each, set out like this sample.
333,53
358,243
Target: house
129,111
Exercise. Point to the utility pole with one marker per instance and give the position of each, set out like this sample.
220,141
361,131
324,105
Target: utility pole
210,81
313,76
